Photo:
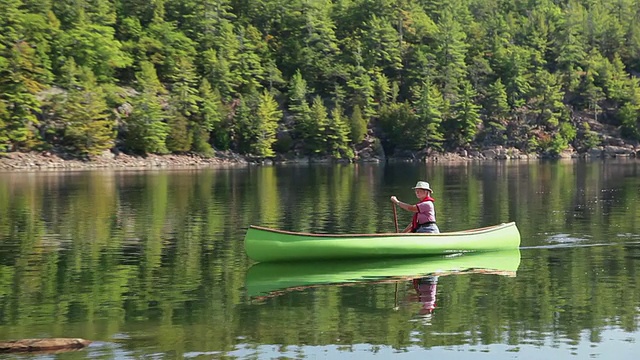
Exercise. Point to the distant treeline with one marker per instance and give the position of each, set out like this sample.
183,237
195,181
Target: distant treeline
262,77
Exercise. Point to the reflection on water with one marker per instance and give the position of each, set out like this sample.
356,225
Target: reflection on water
426,289
151,263
268,279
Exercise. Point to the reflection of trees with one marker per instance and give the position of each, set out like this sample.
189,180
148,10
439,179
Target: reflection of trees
123,252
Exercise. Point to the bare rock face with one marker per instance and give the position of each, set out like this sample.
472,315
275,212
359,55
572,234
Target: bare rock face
50,344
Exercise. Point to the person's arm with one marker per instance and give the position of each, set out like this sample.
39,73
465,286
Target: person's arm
405,206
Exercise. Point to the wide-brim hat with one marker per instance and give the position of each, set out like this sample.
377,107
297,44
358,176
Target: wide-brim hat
422,185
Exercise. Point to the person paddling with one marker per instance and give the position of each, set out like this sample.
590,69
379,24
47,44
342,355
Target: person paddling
424,212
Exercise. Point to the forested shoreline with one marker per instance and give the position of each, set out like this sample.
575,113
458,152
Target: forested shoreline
315,77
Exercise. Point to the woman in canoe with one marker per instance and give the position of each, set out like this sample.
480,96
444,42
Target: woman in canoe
424,212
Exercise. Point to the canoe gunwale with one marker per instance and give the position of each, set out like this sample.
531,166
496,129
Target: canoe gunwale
454,233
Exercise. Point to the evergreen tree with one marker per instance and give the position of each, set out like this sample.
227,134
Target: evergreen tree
179,137
89,125
450,52
516,76
497,112
338,133
267,118
547,99
249,67
184,107
589,87
146,129
299,107
381,44
208,118
318,44
362,92
4,137
243,129
383,89
428,106
401,127
23,73
316,142
464,126
218,72
18,88
628,116
201,20
95,47
358,125
617,82
166,47
569,54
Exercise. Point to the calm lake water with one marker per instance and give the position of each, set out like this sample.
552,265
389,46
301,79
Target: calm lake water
151,264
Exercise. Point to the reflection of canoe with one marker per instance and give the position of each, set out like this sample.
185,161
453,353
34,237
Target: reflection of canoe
265,278
264,244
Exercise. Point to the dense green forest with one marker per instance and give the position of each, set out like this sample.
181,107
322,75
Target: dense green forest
314,77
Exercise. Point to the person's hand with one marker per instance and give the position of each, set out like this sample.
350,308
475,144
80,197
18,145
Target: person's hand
394,199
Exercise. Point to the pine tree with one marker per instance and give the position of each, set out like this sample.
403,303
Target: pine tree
338,135
299,107
243,132
381,44
23,73
450,52
401,127
146,129
497,108
362,92
184,107
218,72
4,138
319,124
18,88
166,47
428,106
589,87
208,117
464,127
358,126
383,89
570,54
93,46
249,67
617,82
267,118
628,116
89,125
318,44
547,99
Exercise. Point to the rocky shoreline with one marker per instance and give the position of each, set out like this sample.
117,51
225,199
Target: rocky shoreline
20,161
30,161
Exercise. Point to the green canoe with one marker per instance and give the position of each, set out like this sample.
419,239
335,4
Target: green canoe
264,279
264,244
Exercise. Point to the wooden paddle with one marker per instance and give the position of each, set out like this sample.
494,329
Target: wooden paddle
395,216
395,221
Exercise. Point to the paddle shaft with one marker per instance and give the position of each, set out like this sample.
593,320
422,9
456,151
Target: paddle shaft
395,217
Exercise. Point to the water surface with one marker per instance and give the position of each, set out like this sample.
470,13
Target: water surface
150,264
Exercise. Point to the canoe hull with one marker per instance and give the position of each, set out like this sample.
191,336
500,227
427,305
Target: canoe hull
264,244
